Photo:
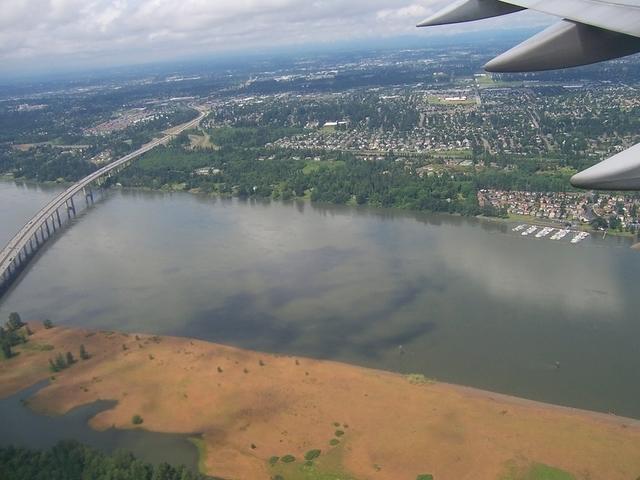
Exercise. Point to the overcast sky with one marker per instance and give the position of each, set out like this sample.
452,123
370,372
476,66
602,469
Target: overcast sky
111,32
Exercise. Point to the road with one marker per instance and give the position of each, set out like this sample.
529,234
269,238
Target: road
22,238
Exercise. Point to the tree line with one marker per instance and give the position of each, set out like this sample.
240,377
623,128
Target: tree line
69,460
13,333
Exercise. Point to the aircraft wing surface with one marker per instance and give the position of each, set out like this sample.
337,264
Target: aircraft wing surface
590,31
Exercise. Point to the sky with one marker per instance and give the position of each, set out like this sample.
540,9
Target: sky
94,33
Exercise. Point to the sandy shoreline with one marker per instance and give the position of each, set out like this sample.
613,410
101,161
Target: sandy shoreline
249,407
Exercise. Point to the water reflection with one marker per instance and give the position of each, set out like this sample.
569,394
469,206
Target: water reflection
23,427
469,301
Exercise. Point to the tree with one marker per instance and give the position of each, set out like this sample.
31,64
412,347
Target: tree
6,350
614,222
15,322
599,223
83,353
53,367
70,360
70,460
47,324
60,362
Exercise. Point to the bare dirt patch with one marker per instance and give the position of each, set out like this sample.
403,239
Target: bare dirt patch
249,407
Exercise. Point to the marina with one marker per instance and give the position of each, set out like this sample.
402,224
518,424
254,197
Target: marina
545,232
579,237
560,234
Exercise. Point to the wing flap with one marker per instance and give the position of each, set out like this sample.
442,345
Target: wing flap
565,44
620,172
622,16
469,10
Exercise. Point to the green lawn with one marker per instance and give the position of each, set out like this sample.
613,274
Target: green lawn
313,166
537,471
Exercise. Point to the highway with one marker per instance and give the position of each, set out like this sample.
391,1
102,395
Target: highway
10,253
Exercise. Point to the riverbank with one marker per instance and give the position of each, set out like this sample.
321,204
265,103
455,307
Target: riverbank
181,188
541,222
249,408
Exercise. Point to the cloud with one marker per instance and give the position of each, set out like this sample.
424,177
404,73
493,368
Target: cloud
125,30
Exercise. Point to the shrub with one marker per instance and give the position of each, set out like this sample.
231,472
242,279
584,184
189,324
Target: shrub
339,433
137,420
424,477
47,324
5,350
69,358
59,363
288,459
273,460
312,454
84,355
334,441
419,379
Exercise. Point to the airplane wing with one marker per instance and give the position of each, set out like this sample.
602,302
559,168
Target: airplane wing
590,31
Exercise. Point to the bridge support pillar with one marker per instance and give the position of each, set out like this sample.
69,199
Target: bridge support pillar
70,207
88,195
46,224
58,216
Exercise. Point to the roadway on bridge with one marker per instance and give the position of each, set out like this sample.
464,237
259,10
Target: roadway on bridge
21,239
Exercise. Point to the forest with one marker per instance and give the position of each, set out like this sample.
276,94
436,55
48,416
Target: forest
69,460
242,165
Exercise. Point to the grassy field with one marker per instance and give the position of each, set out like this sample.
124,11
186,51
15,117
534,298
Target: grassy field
322,420
312,166
436,100
490,82
201,140
322,463
536,471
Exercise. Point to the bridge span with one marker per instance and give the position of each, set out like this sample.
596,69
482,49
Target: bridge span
24,245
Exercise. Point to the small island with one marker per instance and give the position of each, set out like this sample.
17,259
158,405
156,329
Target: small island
257,415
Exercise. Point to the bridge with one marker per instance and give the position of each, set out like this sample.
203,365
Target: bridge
24,245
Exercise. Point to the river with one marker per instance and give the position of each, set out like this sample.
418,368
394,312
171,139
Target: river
460,300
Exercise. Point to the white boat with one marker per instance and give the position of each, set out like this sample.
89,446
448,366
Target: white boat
544,232
579,237
560,234
529,231
519,228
